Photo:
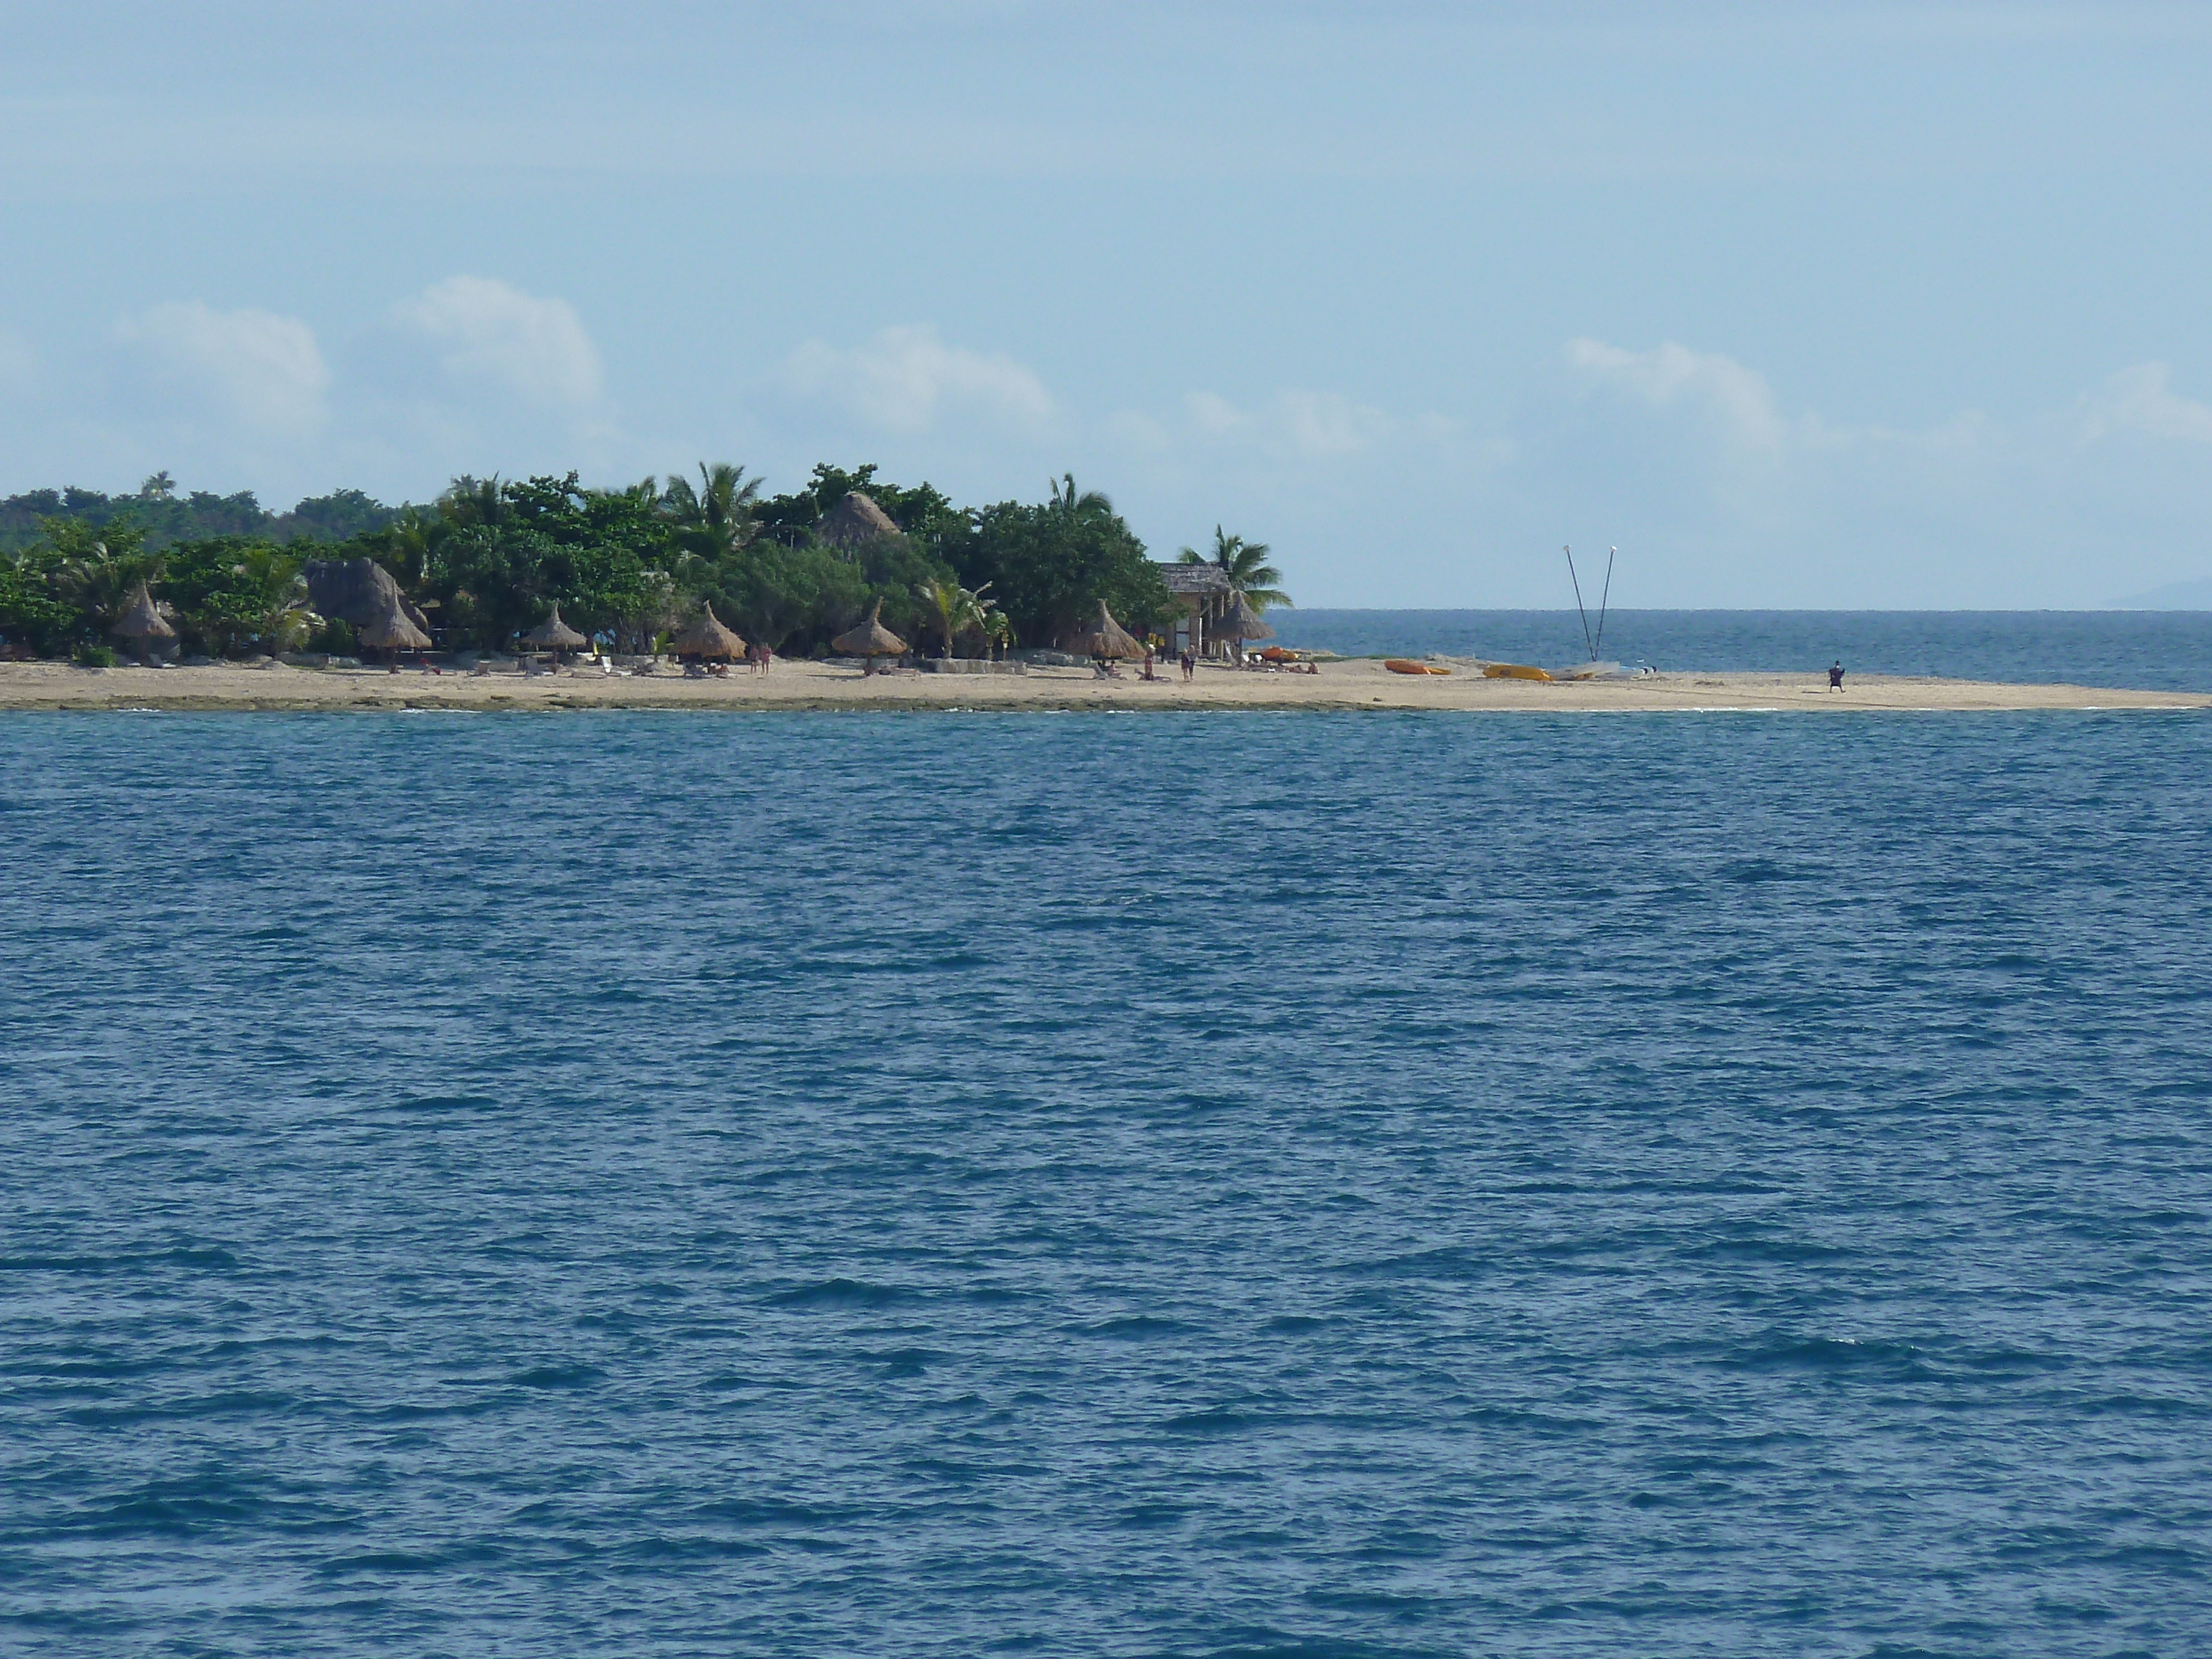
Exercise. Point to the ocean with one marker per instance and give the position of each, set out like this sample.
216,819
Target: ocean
2151,651
1255,1184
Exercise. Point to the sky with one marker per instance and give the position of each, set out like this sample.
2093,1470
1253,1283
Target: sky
1855,306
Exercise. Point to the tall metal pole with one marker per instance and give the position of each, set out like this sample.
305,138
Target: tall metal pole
1579,612
1603,602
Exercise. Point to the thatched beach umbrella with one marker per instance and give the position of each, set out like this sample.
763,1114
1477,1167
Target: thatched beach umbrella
140,621
1240,622
709,637
555,635
393,632
1108,638
869,640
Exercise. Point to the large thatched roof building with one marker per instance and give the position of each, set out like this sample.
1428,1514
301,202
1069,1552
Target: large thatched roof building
1204,592
357,592
854,520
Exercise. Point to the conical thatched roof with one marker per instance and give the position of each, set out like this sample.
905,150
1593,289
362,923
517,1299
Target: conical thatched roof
707,637
140,620
393,632
554,634
870,638
1107,638
855,519
1240,621
357,592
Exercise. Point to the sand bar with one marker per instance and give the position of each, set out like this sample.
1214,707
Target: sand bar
1355,684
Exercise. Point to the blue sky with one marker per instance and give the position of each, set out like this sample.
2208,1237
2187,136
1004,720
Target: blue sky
1823,305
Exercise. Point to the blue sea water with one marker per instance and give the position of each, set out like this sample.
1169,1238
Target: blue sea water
1293,1184
2154,651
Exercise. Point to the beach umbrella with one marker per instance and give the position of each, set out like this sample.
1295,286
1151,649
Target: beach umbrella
1108,638
707,637
395,633
140,621
1240,622
555,635
869,640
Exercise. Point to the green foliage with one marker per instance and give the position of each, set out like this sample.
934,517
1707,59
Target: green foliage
1247,566
955,609
33,617
716,518
89,655
237,592
98,568
1052,564
490,556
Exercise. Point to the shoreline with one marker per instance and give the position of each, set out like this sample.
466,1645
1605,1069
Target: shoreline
1360,684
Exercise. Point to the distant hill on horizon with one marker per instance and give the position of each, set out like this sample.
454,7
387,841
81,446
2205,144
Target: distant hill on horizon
2172,596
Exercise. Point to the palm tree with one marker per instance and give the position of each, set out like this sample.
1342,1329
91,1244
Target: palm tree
1246,565
716,518
958,608
97,573
469,501
279,597
1089,502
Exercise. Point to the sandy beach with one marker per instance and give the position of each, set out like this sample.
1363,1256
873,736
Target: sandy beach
1357,683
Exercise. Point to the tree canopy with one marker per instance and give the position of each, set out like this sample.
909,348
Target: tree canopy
490,557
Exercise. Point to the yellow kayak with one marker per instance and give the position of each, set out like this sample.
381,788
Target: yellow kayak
1401,666
1513,671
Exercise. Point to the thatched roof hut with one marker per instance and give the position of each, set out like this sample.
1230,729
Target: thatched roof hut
554,634
1240,621
709,637
855,519
393,632
357,592
870,638
140,620
1108,638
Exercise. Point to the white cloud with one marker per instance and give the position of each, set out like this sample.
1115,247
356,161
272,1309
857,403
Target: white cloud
265,370
2140,400
1673,376
487,332
905,381
1291,426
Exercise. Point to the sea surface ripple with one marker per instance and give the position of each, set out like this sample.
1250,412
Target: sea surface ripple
1233,1184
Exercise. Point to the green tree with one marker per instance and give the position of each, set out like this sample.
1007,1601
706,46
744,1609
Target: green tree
33,617
1247,567
1052,564
717,518
956,610
234,591
98,567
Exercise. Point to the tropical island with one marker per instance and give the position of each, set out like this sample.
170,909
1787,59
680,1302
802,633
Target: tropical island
88,577
684,593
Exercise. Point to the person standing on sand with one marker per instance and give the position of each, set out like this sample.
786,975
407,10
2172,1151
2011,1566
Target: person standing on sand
1836,677
1188,667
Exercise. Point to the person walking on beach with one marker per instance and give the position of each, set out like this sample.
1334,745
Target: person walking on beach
1188,666
1836,677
